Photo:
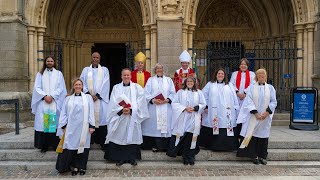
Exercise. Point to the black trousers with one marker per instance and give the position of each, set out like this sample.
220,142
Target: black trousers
116,153
70,158
44,140
258,147
99,135
183,148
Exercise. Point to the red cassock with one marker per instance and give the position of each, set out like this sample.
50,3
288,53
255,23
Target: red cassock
179,76
134,73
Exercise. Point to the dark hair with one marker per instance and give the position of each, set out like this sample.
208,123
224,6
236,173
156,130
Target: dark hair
214,78
245,60
73,82
125,69
45,65
184,86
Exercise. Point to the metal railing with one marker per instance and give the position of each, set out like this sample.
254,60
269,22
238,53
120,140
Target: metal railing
16,107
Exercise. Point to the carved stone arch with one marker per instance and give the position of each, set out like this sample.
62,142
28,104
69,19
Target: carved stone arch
146,11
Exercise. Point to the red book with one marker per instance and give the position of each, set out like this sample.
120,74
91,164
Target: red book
160,96
124,104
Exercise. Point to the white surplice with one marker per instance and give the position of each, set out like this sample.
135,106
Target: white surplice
183,121
57,91
72,115
219,97
101,85
126,129
262,128
242,82
159,123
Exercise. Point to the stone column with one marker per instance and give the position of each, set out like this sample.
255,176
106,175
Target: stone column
154,55
185,37
299,30
148,47
71,58
79,63
190,42
40,54
31,60
169,43
310,29
66,64
305,57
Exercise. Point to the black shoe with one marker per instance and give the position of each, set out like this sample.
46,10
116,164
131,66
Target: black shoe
154,150
256,161
191,163
74,172
44,150
185,163
133,162
82,172
263,161
120,163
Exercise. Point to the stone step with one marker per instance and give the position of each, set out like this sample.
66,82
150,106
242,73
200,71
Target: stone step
204,155
153,165
273,144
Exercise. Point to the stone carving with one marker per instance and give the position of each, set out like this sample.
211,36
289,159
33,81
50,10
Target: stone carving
109,14
172,7
229,14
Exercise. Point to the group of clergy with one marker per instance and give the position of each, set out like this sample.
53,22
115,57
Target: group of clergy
153,113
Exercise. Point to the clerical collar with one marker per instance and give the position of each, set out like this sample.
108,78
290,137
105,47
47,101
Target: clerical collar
189,89
75,94
49,69
159,76
140,71
94,66
262,84
126,84
220,82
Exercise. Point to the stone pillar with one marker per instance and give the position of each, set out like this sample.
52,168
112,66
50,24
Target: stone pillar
154,50
310,29
40,50
299,30
190,42
14,66
71,58
148,47
79,64
185,37
305,58
170,43
66,64
31,60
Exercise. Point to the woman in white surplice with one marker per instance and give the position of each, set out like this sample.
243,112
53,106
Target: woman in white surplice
159,92
77,121
241,80
256,115
187,106
219,119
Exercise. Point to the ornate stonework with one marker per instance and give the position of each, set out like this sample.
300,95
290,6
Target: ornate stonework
227,14
109,14
172,7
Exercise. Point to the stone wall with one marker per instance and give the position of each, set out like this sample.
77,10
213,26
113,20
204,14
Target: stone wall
169,44
13,56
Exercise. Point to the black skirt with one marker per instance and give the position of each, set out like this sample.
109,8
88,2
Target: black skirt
258,147
99,135
220,142
159,143
70,158
183,147
116,153
45,140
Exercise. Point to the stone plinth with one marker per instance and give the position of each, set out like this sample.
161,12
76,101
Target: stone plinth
169,44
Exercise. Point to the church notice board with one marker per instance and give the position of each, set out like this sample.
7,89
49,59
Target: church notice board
304,108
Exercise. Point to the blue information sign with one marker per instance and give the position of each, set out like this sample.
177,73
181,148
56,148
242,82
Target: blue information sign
303,110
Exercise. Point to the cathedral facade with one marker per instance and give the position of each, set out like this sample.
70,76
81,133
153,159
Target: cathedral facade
281,35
